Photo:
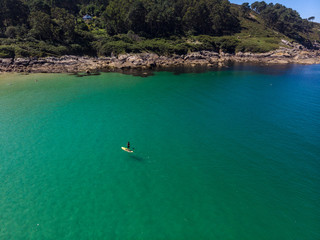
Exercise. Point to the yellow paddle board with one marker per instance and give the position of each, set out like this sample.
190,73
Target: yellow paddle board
126,149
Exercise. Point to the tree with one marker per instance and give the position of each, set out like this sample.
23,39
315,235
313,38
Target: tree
11,32
115,17
41,26
13,12
137,17
259,6
212,17
39,5
197,19
223,21
245,9
70,5
311,18
64,25
160,18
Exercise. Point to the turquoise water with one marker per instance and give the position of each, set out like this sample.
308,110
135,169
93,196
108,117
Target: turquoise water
218,155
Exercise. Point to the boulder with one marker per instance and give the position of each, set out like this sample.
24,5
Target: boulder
21,61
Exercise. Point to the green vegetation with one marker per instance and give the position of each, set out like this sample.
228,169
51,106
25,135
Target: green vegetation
284,20
36,28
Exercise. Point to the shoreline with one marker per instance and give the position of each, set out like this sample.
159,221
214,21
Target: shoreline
152,61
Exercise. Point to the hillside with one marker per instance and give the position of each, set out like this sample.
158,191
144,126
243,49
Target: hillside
38,28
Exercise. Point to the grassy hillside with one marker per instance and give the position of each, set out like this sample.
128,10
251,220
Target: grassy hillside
314,34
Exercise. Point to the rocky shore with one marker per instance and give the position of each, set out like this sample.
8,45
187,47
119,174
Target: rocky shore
74,64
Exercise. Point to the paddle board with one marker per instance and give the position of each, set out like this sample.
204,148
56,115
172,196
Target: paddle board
126,149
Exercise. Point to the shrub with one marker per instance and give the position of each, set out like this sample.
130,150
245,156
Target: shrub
6,52
60,50
20,52
76,49
228,45
181,48
110,48
11,32
207,43
134,48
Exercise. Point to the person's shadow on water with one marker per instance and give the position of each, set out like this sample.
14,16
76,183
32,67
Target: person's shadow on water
137,158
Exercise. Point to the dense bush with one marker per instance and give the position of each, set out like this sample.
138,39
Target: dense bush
228,45
6,52
115,47
20,52
207,42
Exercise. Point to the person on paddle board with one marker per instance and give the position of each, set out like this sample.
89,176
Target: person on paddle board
128,145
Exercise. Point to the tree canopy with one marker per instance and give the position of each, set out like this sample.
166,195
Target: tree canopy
59,22
150,18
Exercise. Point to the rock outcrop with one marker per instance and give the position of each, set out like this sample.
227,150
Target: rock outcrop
71,64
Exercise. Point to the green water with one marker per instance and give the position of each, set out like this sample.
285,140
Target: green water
218,155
